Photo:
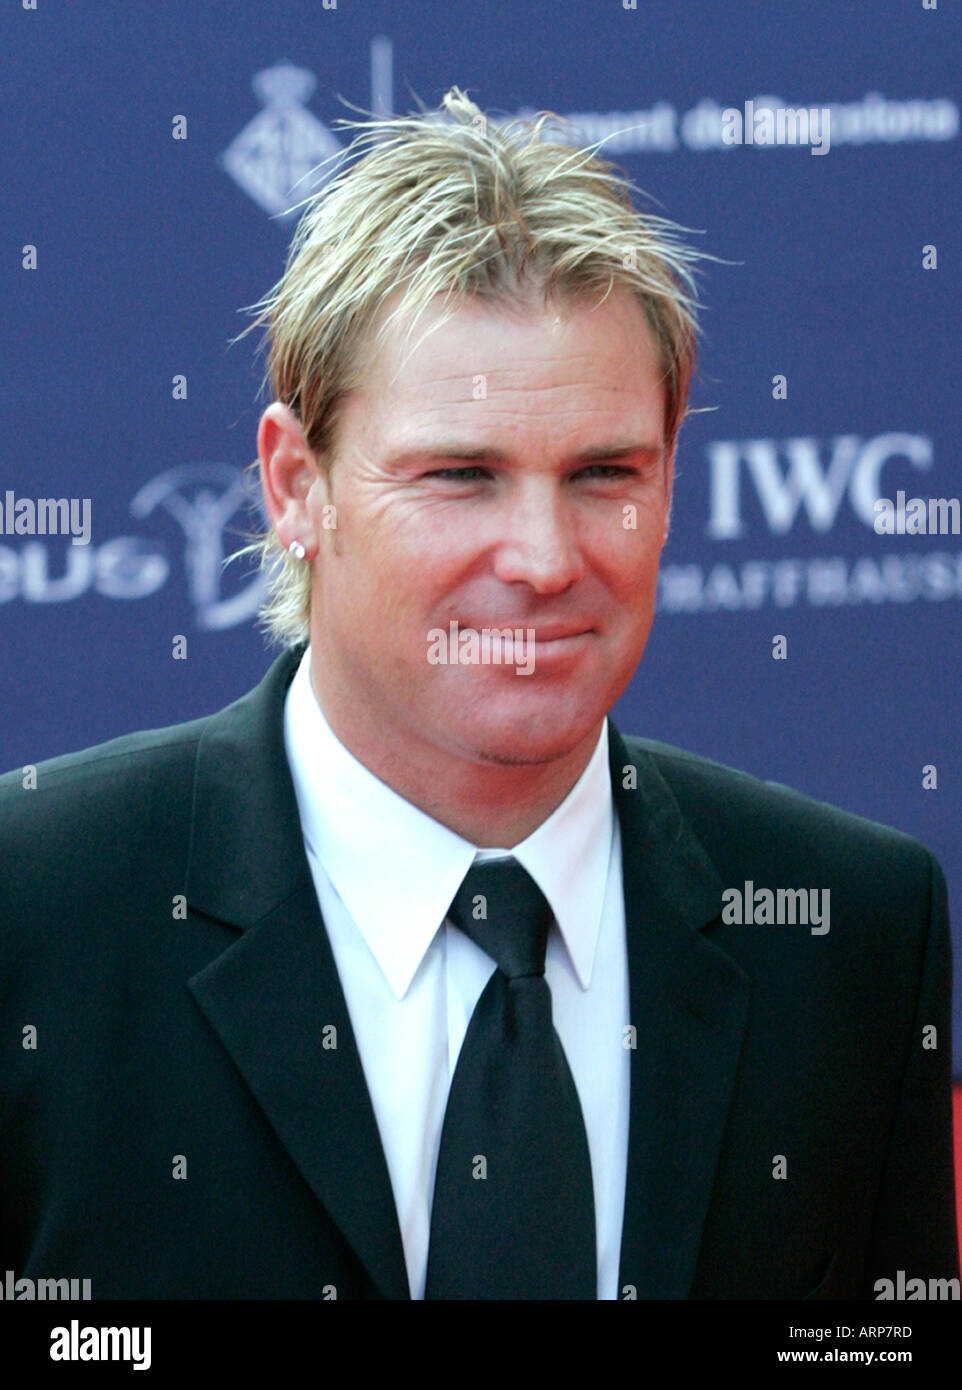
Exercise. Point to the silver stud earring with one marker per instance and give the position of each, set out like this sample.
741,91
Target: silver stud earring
297,550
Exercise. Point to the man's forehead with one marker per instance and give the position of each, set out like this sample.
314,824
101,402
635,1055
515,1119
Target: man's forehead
640,448
517,356
456,428
474,326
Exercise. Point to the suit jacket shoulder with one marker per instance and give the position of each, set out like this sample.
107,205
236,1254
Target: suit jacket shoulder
785,831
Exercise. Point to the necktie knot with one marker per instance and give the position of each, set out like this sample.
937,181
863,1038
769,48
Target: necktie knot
501,908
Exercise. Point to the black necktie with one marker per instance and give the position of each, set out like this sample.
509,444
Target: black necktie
513,1213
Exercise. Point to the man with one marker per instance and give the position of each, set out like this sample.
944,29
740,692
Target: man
407,975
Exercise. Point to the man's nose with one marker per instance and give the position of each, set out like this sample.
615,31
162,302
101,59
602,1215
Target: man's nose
540,544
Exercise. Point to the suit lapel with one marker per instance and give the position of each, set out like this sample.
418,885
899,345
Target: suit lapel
274,996
689,1005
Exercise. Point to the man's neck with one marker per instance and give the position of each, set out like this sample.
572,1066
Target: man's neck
489,804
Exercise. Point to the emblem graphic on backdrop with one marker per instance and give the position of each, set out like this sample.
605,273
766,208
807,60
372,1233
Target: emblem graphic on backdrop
202,498
202,514
275,157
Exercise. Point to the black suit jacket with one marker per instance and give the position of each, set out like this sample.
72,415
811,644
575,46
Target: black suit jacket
160,930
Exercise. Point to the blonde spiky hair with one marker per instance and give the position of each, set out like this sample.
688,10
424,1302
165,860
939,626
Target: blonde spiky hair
426,207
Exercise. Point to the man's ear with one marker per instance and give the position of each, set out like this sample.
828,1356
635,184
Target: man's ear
288,470
669,487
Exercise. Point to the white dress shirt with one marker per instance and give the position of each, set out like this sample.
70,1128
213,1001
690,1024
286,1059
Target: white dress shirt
385,875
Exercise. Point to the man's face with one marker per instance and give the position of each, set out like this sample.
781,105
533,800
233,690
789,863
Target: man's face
512,474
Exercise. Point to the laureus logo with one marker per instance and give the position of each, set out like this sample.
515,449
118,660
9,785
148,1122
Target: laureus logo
201,498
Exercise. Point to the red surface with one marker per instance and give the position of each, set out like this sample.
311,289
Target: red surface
957,1112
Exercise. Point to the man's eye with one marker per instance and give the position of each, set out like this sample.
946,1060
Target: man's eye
605,470
458,475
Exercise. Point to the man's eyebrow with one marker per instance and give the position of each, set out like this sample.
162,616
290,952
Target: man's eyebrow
443,452
620,449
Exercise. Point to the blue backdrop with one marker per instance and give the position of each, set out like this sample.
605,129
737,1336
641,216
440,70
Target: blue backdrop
129,250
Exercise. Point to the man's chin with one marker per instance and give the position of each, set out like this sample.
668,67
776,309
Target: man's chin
519,743
507,757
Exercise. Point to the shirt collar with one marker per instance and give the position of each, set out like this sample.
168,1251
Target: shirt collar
397,869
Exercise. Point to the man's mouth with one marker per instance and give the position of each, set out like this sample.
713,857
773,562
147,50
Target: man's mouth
539,633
